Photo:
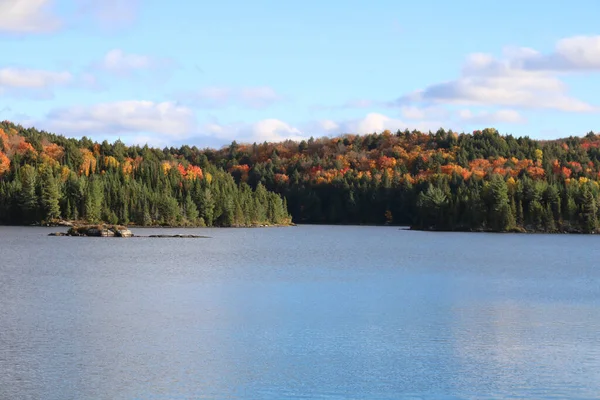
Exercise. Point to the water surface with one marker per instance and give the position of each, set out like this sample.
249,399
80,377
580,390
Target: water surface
306,312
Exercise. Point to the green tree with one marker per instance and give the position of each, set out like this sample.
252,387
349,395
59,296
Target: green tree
94,196
588,210
28,198
431,206
191,211
500,215
50,195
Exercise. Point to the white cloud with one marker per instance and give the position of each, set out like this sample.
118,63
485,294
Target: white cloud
524,78
580,52
270,130
27,16
375,122
328,125
257,97
274,130
124,117
117,60
372,122
31,78
573,54
491,117
22,82
508,89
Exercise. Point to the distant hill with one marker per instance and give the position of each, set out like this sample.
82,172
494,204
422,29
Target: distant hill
481,181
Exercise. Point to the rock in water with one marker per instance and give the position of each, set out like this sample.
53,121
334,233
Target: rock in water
100,231
123,233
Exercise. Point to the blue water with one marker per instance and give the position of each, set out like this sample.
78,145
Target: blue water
299,313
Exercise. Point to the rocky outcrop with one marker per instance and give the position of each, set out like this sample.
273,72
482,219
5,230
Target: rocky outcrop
113,231
98,231
123,233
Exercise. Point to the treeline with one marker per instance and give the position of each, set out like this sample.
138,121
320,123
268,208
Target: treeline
443,180
501,205
45,177
439,181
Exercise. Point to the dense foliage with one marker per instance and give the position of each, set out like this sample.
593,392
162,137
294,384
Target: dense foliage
442,180
45,177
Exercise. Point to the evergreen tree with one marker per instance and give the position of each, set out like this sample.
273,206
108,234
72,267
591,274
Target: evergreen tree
50,195
589,213
500,216
191,211
28,198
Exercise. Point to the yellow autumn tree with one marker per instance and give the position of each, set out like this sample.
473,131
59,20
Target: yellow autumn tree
166,167
111,162
539,156
88,165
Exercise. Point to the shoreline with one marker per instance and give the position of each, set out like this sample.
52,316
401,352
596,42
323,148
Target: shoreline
522,231
70,224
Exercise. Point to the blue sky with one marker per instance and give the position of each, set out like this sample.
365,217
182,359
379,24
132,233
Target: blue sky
206,73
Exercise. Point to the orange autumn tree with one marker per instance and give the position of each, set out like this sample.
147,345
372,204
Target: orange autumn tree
54,151
4,163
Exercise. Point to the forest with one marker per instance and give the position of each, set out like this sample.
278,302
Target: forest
448,181
444,180
45,178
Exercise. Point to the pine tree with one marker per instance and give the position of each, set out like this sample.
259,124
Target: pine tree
50,195
207,207
191,211
28,199
500,216
589,212
93,200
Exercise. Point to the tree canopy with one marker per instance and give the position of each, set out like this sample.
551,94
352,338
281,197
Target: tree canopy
436,180
44,177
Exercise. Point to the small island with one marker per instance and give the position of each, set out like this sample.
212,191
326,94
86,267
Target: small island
114,231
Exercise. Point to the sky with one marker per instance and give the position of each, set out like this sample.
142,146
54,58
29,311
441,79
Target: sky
207,73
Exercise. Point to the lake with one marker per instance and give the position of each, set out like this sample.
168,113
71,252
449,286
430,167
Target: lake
307,312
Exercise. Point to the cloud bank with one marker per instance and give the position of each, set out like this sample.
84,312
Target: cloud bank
27,17
523,78
123,118
32,83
